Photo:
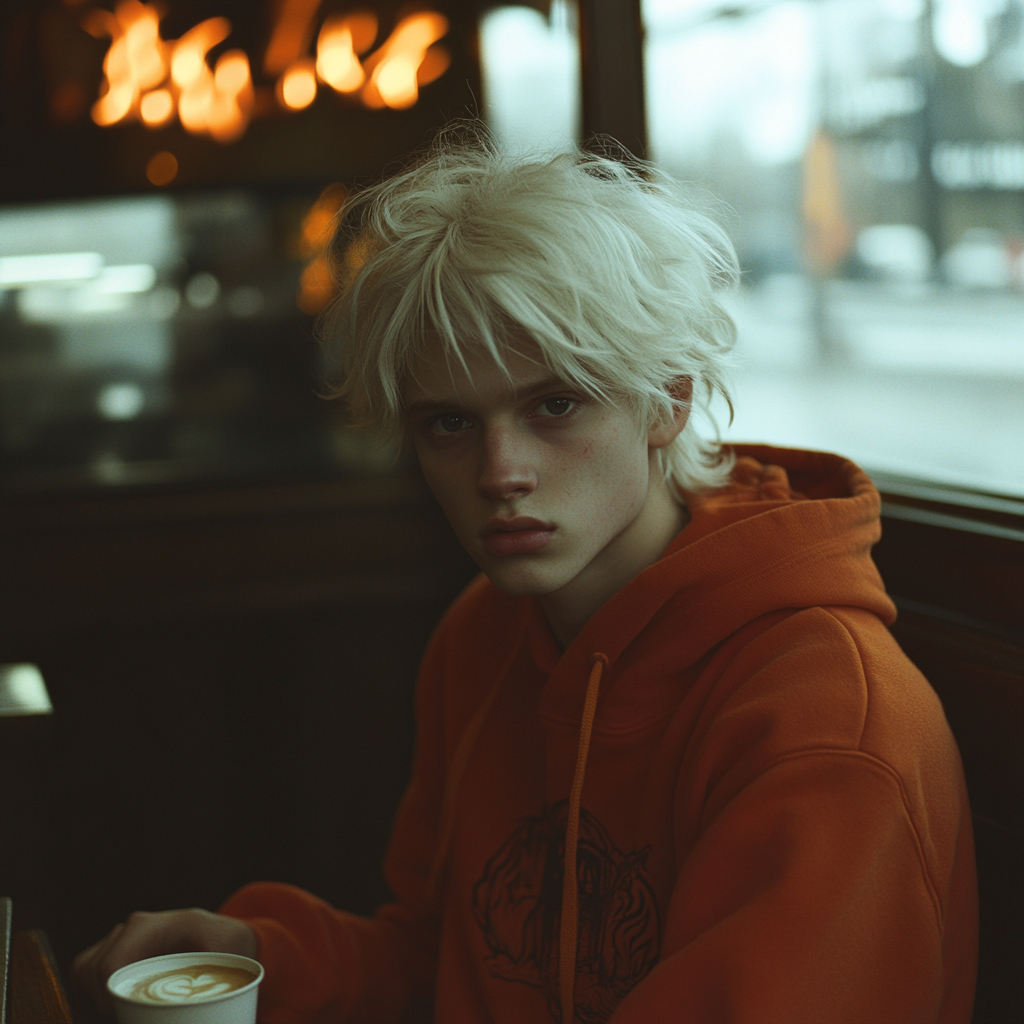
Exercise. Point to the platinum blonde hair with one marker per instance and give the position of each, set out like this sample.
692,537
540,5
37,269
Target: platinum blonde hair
606,262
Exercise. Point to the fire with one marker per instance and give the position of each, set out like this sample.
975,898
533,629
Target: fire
296,88
232,96
389,77
188,62
150,79
156,108
341,40
291,35
216,101
316,286
135,62
407,59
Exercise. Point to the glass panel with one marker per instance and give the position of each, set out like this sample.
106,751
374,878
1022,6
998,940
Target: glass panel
154,337
530,68
872,154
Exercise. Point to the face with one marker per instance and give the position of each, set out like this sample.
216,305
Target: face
548,489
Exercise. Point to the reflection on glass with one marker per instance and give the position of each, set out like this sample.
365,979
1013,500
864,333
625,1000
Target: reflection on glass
155,337
872,153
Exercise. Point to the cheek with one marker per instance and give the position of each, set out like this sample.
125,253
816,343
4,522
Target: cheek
606,478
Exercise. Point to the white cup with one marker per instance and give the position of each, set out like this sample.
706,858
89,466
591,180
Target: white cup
185,998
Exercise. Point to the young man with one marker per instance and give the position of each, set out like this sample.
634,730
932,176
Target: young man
670,764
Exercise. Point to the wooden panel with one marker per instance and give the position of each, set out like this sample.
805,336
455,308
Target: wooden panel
957,575
37,996
976,574
224,550
612,74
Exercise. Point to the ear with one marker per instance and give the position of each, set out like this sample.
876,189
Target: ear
664,432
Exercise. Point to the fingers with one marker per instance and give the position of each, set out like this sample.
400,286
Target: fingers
85,969
145,934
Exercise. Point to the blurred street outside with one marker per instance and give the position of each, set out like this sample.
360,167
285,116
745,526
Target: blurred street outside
922,381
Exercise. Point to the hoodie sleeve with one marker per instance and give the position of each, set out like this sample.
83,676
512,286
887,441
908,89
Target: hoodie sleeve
826,914
325,965
829,874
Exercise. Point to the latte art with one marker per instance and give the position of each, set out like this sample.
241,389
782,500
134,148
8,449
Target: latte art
190,984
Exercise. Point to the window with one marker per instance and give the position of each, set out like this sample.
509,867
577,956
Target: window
154,337
530,67
872,155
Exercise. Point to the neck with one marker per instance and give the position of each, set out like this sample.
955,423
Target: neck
641,544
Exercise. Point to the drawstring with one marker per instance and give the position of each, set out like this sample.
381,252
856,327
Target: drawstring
457,769
569,925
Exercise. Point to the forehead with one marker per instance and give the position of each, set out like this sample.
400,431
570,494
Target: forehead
436,377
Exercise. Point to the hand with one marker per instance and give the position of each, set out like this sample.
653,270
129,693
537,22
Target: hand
169,931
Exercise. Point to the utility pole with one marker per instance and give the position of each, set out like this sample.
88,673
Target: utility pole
931,192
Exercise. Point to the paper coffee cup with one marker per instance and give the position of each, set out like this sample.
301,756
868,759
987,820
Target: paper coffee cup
176,989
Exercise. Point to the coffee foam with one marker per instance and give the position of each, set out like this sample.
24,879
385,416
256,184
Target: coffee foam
190,983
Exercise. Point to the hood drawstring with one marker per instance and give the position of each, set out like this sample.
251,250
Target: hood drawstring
457,768
569,924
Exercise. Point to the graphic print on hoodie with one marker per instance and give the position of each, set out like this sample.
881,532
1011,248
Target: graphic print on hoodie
518,904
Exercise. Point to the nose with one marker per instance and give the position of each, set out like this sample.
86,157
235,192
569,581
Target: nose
506,469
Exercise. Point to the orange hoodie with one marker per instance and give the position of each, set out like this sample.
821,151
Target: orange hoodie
762,798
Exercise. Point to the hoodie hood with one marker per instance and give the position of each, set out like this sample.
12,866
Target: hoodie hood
793,529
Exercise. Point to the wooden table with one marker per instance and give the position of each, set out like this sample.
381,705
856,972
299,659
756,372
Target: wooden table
35,994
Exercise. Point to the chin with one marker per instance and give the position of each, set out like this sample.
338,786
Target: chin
521,581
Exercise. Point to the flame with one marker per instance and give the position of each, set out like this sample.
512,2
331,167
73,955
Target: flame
135,62
363,25
217,101
296,88
316,286
291,35
316,289
436,62
317,226
193,76
188,58
150,79
233,96
393,69
156,108
341,39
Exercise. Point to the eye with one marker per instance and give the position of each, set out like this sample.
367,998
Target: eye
552,407
450,423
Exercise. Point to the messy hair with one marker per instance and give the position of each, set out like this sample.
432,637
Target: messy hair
604,261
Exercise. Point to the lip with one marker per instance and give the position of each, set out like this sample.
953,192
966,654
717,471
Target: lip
519,535
499,524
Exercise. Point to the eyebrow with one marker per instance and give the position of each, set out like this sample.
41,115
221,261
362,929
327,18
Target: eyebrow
517,395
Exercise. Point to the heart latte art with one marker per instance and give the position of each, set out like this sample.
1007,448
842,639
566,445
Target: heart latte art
191,983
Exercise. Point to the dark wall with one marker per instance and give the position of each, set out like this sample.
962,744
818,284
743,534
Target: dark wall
232,675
